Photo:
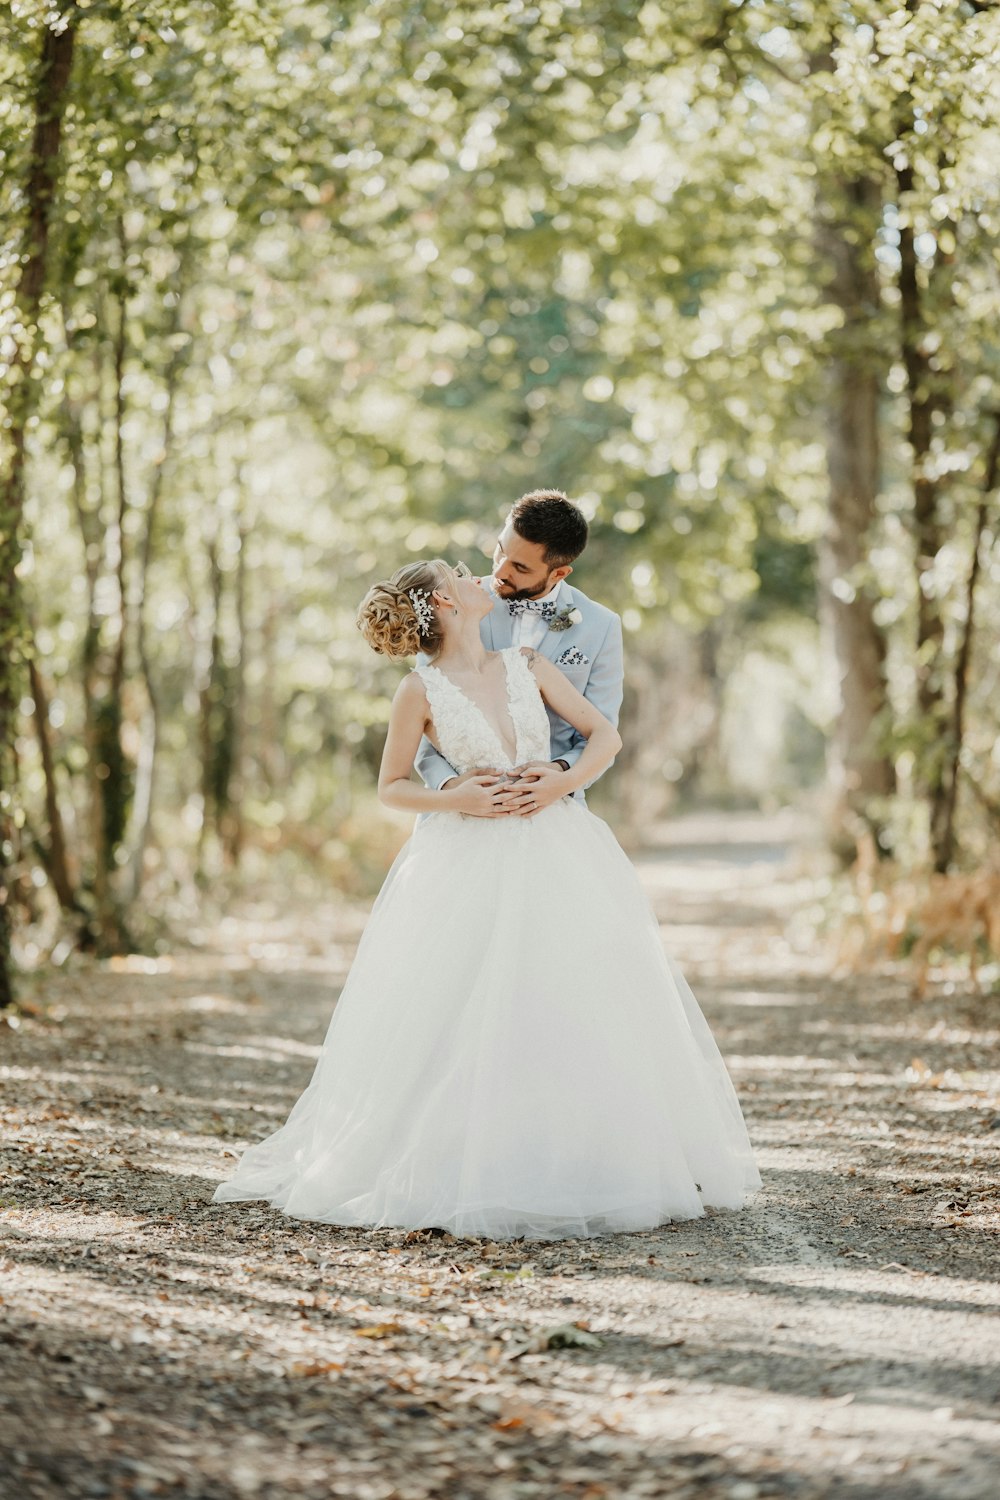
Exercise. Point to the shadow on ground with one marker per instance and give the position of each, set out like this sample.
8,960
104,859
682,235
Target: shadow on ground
834,1339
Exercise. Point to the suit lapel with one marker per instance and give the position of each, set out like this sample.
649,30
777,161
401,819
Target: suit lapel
555,642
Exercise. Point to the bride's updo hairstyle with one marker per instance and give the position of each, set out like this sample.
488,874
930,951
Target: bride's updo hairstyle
397,617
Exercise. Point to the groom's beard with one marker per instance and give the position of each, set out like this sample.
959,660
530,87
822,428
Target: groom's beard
543,588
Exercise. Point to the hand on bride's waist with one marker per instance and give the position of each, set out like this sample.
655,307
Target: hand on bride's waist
539,784
481,793
487,792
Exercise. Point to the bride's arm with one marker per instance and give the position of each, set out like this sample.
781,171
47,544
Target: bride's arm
408,722
603,739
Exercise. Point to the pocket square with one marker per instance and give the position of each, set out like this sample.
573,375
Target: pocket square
572,658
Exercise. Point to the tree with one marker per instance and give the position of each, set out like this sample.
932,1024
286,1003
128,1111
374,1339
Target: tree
40,168
328,286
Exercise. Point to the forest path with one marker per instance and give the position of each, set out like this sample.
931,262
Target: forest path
835,1339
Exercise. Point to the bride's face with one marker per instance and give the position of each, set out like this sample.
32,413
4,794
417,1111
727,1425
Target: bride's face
460,587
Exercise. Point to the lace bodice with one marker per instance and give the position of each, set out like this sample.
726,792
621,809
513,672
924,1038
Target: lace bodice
465,736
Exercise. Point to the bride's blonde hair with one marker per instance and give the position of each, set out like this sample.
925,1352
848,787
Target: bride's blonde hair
397,618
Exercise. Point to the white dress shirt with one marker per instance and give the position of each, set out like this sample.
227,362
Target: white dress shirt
528,628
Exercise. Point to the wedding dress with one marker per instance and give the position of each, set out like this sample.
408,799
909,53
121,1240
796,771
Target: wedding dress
512,1054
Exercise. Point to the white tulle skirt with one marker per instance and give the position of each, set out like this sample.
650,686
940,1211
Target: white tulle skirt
512,1055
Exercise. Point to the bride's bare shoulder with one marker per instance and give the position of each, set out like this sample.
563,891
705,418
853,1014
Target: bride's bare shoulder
412,689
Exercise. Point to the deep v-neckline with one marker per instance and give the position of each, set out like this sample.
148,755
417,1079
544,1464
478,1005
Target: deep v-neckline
503,654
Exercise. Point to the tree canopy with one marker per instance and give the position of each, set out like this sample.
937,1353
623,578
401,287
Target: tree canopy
291,292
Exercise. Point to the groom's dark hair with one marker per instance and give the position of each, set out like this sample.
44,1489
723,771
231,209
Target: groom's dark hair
549,519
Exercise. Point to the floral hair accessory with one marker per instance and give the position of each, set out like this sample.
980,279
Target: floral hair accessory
420,599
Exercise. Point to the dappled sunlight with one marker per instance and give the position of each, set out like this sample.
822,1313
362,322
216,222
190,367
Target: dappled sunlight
292,295
213,1003
258,1049
842,1312
756,999
881,1284
312,1342
326,1329
787,1063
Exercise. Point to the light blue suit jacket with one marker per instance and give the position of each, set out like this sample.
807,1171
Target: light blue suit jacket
599,677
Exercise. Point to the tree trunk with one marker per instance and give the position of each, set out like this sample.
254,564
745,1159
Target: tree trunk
270,758
89,522
212,706
104,661
232,822
51,88
928,396
947,850
116,782
860,769
56,857
142,806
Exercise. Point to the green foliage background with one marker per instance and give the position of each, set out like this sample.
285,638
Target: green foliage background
330,285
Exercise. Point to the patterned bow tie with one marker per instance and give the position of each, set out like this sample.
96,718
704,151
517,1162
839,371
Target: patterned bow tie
544,607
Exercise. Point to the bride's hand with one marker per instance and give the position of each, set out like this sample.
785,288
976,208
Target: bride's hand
456,780
482,794
539,785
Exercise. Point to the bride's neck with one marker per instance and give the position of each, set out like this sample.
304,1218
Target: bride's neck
463,648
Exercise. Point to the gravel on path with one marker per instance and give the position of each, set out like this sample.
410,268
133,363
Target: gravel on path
838,1338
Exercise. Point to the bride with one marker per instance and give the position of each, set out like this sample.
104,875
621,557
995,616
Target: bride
513,1054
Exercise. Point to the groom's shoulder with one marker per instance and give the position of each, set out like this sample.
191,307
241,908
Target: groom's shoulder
598,614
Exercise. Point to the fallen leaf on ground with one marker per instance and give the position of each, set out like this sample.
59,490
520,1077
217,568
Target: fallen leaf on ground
561,1336
307,1368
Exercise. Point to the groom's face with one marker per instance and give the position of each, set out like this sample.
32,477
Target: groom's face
519,567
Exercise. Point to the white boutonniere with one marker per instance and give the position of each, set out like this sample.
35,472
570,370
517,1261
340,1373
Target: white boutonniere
566,617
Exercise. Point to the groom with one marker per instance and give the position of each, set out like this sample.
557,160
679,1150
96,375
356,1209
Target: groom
535,606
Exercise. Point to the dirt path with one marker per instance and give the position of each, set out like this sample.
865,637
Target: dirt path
837,1339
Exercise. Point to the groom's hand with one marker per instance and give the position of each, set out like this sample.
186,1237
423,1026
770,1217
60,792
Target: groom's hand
538,786
500,804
